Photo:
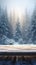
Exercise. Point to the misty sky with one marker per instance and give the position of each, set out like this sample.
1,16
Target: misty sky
19,5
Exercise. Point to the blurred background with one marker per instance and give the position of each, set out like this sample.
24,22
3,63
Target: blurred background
17,22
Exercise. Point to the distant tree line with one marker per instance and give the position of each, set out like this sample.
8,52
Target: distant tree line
25,35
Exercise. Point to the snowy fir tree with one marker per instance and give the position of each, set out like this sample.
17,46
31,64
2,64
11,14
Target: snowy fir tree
10,26
18,34
1,27
25,28
33,26
4,24
5,29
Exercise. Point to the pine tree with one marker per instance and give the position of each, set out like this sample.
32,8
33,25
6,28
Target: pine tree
4,21
33,27
25,28
5,25
5,29
11,23
17,35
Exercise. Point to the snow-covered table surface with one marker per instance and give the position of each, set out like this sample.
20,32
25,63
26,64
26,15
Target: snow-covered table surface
18,48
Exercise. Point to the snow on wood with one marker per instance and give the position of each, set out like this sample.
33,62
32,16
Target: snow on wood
18,48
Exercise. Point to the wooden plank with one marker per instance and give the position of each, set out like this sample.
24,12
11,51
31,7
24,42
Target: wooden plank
18,48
